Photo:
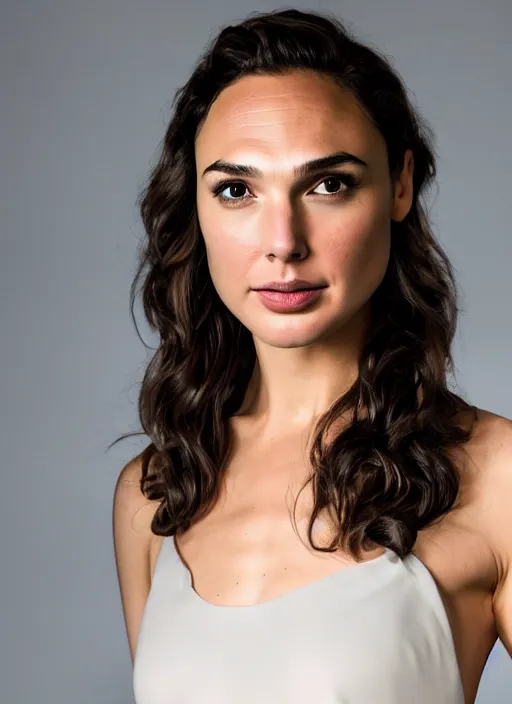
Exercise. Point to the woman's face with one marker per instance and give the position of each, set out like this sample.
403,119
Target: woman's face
330,227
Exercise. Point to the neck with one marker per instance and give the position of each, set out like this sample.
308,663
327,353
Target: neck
292,387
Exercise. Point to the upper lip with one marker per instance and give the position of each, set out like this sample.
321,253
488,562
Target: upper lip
292,285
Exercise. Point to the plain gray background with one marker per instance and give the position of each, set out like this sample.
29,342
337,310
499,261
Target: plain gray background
86,88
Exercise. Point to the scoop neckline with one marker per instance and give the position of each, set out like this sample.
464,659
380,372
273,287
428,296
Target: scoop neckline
347,575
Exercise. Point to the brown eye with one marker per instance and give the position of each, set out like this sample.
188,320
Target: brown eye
333,182
236,189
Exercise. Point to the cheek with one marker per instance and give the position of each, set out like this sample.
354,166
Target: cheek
229,259
360,245
221,255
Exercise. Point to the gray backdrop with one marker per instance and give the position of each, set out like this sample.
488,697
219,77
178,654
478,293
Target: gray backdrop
86,90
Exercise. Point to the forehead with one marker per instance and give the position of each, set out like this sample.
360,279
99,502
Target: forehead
280,116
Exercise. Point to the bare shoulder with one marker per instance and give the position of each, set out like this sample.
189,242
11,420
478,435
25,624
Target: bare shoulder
132,511
134,545
493,452
489,449
493,427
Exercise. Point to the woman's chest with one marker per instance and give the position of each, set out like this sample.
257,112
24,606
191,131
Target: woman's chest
248,552
256,558
372,632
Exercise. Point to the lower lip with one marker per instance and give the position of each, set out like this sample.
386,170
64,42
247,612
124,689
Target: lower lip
284,301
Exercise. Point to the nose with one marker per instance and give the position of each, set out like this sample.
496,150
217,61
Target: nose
284,237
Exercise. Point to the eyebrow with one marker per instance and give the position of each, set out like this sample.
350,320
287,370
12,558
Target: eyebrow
308,167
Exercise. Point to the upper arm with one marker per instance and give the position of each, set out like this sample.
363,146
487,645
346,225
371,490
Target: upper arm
502,607
131,521
500,512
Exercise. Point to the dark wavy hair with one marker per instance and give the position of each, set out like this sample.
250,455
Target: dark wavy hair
390,471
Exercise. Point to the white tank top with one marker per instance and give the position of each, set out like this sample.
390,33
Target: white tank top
373,633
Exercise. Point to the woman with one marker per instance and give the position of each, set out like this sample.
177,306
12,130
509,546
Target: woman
317,517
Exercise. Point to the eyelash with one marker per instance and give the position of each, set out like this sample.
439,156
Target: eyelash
349,181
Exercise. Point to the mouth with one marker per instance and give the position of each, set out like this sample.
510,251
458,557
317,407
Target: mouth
290,285
289,301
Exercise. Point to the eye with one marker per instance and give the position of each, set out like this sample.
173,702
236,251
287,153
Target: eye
237,188
348,183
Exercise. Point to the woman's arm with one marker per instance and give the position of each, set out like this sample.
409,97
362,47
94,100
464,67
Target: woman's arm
131,520
492,454
500,517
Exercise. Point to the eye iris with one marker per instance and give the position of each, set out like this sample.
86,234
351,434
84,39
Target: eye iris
232,190
332,180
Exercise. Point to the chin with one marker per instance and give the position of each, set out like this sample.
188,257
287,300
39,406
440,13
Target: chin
292,334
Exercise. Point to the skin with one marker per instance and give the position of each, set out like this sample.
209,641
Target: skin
307,358
245,551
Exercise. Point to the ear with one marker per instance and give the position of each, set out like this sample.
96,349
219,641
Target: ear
403,189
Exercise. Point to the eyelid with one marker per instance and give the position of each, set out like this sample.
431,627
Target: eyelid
349,176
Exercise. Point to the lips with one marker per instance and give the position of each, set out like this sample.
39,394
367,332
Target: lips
287,286
289,301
